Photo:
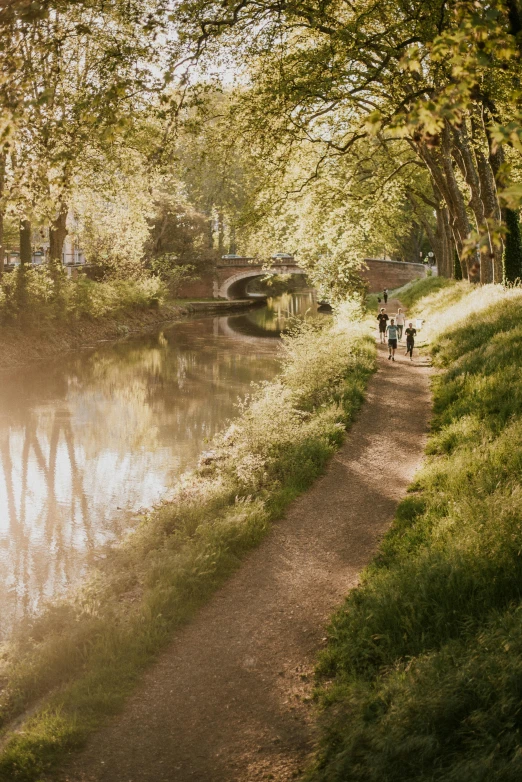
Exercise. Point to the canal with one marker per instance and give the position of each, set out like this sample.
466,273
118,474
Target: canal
89,439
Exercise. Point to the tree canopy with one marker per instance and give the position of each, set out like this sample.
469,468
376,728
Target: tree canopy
437,80
332,129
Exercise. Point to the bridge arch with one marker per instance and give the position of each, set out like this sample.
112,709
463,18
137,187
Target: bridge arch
233,286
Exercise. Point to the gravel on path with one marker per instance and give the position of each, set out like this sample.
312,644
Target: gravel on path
229,700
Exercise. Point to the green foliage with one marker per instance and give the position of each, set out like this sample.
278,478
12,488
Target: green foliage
42,295
276,284
415,103
84,656
512,260
344,214
425,656
172,273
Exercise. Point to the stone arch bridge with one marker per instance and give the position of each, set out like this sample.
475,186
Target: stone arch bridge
230,277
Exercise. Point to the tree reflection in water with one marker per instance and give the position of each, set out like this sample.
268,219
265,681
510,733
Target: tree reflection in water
89,439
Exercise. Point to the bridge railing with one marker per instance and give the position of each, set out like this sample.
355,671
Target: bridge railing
251,262
238,262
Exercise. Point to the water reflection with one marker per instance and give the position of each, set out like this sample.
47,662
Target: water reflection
271,320
87,440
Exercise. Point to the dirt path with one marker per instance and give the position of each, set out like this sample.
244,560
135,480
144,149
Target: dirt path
228,700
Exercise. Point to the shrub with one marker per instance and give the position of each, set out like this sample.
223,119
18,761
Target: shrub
40,294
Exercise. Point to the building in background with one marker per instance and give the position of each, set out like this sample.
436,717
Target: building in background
73,257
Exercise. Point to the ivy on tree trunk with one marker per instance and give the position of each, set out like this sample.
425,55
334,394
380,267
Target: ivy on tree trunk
512,260
457,268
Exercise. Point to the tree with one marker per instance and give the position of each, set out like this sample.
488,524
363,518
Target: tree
80,71
332,74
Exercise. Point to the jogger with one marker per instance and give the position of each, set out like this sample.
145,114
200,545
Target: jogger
392,339
399,321
382,318
410,340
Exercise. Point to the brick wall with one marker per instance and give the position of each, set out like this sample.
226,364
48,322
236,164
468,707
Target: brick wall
390,274
199,289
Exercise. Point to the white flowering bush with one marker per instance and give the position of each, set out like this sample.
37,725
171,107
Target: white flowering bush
284,422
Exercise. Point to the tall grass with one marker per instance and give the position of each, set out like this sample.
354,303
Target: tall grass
422,677
84,655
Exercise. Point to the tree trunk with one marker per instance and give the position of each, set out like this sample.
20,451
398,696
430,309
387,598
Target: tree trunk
232,240
443,235
57,234
457,269
512,245
210,229
440,167
221,233
489,197
445,246
441,238
466,161
25,243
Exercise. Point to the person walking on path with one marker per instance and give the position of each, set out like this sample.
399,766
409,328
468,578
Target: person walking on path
385,295
410,340
382,318
400,321
392,339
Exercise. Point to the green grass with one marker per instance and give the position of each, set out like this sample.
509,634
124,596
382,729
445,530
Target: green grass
80,660
410,293
414,292
422,677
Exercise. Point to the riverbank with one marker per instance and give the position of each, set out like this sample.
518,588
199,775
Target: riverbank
22,345
76,663
422,674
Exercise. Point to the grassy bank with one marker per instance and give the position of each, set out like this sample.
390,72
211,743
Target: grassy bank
21,346
77,662
422,676
42,316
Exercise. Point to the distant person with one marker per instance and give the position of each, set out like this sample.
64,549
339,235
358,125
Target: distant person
411,333
382,318
385,295
392,339
400,321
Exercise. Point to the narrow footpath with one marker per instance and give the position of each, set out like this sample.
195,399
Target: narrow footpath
229,700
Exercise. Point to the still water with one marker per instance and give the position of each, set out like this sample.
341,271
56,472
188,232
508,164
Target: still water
91,438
